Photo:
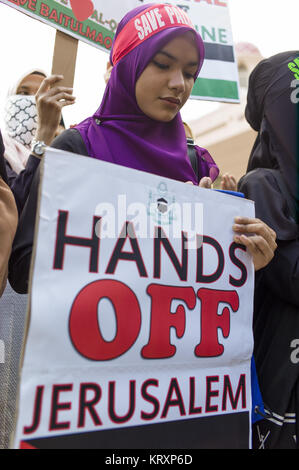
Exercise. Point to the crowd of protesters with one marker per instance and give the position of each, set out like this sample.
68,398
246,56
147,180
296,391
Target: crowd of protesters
138,125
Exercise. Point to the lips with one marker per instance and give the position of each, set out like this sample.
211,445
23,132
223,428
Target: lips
172,100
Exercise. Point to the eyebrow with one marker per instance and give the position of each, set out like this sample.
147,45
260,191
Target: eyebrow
191,64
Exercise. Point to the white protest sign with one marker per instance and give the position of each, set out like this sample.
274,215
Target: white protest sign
141,311
95,22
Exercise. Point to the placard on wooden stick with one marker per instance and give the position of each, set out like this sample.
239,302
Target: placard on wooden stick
64,58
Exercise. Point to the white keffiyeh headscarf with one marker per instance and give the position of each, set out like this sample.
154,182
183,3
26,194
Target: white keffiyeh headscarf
20,118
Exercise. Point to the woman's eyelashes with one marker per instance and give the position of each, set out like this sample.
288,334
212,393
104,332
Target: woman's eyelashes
160,65
23,92
187,74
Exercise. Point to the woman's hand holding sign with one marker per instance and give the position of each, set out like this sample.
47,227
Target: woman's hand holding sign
205,182
259,239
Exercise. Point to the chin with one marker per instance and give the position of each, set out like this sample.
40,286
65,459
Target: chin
163,117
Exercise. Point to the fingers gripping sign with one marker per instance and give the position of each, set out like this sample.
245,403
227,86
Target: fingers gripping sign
205,182
255,235
50,99
228,182
259,239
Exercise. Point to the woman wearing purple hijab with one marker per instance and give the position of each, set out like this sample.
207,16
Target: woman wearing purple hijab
156,56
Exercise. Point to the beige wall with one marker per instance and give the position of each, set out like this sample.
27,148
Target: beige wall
225,132
231,155
228,137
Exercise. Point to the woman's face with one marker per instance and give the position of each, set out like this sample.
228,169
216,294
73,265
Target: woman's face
30,84
166,83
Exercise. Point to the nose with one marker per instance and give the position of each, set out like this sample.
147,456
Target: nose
176,80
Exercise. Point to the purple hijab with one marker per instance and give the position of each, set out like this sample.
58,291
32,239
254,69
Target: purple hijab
119,132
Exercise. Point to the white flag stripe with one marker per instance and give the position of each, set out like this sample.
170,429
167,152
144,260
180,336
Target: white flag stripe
228,70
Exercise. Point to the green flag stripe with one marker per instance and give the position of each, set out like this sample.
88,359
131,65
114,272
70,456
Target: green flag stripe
216,88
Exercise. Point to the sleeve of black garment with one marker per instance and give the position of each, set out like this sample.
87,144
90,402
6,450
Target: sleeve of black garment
3,174
19,265
20,258
281,276
20,184
71,141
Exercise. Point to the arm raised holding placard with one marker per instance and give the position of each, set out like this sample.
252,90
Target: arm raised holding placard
32,118
50,100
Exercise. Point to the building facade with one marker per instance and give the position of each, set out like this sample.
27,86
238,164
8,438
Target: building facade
225,132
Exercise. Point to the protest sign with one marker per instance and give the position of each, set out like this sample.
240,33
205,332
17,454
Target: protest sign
139,333
95,22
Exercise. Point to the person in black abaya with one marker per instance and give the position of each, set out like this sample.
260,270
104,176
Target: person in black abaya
271,181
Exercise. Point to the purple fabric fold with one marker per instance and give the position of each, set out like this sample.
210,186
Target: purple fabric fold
207,166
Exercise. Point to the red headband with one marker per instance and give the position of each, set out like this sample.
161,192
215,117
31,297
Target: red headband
145,25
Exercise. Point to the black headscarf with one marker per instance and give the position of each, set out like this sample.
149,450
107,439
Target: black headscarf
2,161
271,112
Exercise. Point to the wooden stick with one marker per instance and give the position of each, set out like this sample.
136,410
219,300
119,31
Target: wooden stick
64,58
